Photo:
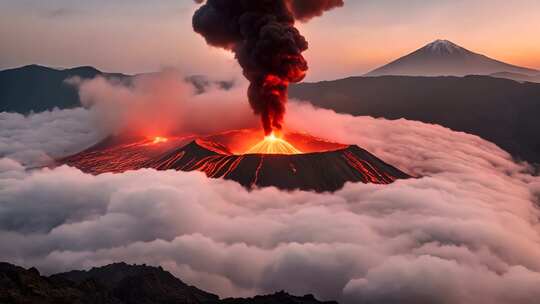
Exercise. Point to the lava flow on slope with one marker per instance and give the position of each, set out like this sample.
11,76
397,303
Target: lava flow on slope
291,161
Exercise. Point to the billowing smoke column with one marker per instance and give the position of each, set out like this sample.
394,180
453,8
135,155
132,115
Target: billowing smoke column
267,45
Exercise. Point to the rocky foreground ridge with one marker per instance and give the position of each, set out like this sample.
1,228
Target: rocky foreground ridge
118,283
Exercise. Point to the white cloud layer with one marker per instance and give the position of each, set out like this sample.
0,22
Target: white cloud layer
466,232
38,138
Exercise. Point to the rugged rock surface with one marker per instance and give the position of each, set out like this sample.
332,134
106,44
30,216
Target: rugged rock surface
318,171
118,283
321,171
139,284
277,298
22,286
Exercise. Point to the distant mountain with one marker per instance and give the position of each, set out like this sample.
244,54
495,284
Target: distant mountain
502,111
118,283
517,77
38,88
444,58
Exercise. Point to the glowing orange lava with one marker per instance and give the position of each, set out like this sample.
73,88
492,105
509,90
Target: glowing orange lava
159,140
273,144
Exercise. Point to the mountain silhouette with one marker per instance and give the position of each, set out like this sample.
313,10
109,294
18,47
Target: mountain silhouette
117,283
36,88
445,58
517,77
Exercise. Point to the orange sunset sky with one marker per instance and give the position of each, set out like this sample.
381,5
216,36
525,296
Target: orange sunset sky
138,36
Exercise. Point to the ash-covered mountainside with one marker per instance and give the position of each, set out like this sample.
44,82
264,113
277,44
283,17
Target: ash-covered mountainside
327,169
118,283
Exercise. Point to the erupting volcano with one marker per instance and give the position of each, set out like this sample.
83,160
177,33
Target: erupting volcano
289,162
269,49
266,43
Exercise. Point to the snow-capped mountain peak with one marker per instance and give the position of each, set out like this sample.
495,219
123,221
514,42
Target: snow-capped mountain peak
445,58
444,46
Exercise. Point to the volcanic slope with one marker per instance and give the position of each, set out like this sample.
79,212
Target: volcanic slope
445,58
323,167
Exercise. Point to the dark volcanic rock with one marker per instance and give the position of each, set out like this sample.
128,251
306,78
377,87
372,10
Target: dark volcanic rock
319,171
18,285
277,298
327,170
140,284
115,284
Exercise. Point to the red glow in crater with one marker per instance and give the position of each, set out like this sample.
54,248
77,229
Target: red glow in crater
288,161
273,144
159,140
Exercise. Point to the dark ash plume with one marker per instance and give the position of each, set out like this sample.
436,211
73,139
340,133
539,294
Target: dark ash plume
267,45
304,10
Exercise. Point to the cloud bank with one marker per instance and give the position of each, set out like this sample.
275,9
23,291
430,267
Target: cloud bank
466,232
39,138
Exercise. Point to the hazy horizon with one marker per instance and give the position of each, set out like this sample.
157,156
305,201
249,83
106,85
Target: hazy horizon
363,35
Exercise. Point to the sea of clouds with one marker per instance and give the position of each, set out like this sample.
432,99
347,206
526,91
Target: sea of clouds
467,231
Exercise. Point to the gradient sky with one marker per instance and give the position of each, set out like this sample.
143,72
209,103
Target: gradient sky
135,36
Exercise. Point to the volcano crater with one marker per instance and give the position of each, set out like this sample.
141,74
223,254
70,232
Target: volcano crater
314,164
